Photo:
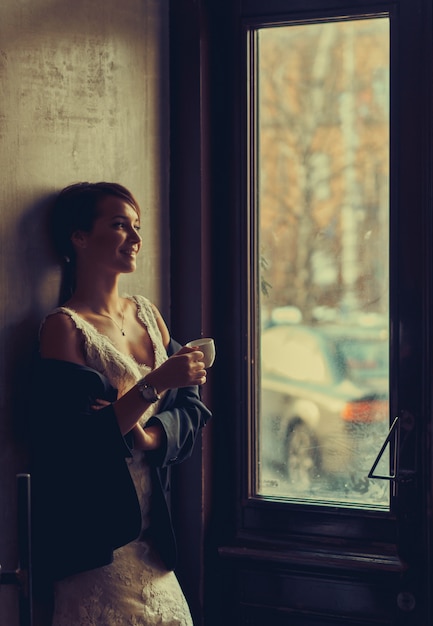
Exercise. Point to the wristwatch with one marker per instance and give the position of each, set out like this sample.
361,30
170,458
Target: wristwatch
147,391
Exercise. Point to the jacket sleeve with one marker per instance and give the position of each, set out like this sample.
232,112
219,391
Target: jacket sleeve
63,394
80,481
182,415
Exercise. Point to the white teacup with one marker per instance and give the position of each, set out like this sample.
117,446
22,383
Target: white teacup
207,346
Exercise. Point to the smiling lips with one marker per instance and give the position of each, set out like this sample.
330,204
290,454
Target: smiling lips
132,252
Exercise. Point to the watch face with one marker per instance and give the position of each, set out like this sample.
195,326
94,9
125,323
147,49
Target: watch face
149,393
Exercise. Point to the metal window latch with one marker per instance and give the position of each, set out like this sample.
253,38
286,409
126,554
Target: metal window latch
394,440
22,575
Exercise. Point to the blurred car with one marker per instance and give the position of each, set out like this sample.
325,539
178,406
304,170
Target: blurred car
324,400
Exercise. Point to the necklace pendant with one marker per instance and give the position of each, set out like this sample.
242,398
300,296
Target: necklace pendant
114,321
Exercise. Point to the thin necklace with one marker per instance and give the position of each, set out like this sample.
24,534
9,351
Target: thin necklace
114,321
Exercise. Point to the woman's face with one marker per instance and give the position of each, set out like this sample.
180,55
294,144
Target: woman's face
114,242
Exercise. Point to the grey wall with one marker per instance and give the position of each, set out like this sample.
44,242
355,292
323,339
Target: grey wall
83,96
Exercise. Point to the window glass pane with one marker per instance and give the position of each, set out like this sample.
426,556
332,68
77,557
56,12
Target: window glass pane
322,159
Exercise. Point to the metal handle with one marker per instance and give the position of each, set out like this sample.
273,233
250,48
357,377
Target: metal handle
394,439
394,431
22,576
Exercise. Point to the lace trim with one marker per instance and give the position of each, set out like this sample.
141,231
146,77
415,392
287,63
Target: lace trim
135,590
101,354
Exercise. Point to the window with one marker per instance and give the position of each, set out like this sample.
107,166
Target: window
322,165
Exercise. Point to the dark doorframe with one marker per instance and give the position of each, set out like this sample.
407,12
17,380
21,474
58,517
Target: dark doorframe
191,251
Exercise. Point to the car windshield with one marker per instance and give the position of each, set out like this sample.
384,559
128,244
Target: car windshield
364,359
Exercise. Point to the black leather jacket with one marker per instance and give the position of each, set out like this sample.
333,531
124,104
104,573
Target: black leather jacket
84,503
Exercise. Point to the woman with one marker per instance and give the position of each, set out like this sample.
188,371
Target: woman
117,403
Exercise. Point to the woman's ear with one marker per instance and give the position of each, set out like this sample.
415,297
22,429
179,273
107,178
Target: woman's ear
79,239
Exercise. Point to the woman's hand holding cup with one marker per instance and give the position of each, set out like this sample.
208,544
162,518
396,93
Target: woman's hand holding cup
185,367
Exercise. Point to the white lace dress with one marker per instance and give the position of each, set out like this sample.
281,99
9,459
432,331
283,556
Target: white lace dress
136,589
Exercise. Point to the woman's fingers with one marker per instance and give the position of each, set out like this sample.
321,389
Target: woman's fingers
187,367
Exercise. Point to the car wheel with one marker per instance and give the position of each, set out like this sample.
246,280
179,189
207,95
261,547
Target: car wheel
302,456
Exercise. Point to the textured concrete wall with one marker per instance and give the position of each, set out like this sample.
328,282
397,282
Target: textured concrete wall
83,96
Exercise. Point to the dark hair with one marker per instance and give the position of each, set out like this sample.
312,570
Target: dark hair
76,208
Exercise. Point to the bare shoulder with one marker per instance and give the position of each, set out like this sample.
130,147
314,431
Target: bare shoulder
165,334
60,339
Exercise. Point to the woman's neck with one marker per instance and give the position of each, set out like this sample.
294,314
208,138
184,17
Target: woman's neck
98,298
